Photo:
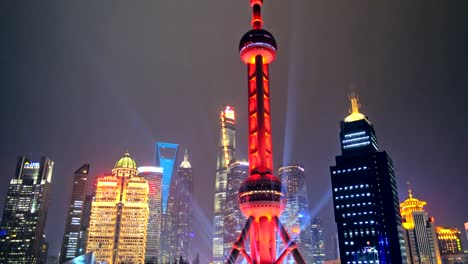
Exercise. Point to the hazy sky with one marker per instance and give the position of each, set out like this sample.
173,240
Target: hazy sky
82,81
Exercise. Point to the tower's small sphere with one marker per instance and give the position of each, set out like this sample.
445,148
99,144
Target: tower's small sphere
261,196
257,42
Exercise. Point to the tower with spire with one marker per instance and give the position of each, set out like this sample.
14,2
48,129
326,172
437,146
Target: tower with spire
419,229
261,199
365,196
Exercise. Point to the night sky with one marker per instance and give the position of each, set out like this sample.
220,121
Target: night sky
82,81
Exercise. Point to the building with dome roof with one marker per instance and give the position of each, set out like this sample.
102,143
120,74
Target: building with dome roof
119,215
420,236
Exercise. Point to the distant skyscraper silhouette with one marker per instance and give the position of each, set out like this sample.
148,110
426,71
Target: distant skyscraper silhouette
296,216
73,243
233,219
184,210
226,152
154,177
365,196
420,236
318,241
119,215
22,238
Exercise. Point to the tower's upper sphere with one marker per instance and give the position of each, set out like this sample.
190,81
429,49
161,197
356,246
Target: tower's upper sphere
257,42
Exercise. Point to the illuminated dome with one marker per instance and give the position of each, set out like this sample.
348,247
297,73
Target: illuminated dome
407,207
257,42
126,162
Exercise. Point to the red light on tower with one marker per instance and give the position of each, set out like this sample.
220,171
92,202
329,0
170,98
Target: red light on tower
260,196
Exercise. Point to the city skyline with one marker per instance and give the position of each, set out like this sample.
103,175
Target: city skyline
399,83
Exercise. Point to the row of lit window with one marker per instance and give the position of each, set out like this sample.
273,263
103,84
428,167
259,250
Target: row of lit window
352,196
360,133
356,214
359,261
356,233
355,145
354,139
352,205
350,170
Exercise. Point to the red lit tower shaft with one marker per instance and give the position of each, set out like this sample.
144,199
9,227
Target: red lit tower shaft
260,196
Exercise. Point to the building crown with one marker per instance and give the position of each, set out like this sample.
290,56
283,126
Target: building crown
186,164
354,114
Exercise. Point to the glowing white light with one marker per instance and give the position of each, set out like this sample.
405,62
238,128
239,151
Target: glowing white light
150,169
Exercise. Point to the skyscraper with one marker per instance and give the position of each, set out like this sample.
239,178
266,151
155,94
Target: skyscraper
420,237
296,216
166,156
119,215
318,242
154,177
226,152
449,240
73,243
233,218
24,216
365,196
184,209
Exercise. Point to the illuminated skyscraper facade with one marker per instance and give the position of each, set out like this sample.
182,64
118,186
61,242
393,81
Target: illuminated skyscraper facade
184,210
226,152
119,216
420,236
233,218
22,237
449,240
318,242
166,157
466,230
296,216
365,196
73,243
154,177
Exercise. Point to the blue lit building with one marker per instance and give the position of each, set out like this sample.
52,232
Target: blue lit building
166,156
365,197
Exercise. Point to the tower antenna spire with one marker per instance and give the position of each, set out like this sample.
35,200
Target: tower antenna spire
261,199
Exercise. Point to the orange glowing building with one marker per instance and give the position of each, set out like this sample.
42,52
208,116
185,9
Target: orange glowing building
420,238
449,240
119,215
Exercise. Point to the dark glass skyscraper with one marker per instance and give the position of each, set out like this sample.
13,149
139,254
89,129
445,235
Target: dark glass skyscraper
233,219
365,196
25,213
296,215
184,209
318,242
73,243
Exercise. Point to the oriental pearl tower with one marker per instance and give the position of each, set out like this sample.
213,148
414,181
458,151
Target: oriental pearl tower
260,197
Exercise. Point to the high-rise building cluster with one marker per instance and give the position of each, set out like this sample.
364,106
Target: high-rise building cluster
122,220
372,228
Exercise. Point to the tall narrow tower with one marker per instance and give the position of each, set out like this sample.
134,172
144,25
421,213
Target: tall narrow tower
226,152
260,195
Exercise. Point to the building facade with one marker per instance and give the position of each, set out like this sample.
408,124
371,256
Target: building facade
73,243
119,215
365,196
449,240
296,215
420,237
154,177
22,238
184,210
318,241
226,152
234,220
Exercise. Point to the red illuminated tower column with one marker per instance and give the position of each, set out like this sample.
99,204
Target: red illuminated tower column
260,196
